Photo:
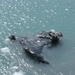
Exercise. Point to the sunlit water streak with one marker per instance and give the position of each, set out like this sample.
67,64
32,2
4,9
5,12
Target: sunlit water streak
26,17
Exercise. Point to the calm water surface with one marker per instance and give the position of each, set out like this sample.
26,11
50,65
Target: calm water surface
25,17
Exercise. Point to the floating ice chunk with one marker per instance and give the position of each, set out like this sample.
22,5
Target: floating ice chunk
5,50
17,73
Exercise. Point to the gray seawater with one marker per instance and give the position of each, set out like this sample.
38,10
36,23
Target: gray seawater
25,17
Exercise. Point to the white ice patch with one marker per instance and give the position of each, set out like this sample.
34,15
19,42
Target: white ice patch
38,41
17,73
53,30
5,50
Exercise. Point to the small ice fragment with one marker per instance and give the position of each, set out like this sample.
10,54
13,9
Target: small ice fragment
38,41
17,73
5,50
